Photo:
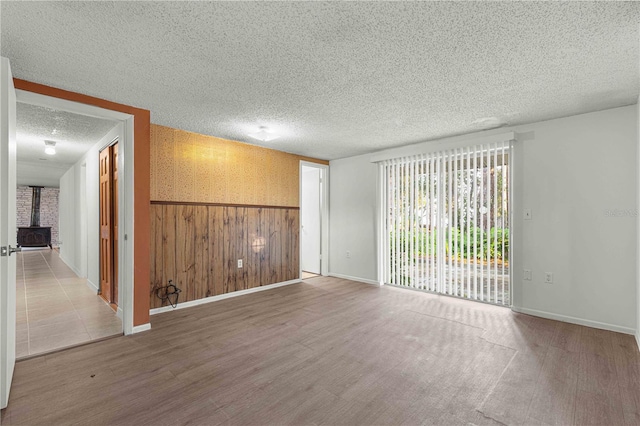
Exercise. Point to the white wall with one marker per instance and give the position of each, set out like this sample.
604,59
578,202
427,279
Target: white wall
67,221
352,213
79,213
577,175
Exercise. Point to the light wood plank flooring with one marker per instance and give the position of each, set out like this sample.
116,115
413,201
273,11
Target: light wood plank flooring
330,351
55,308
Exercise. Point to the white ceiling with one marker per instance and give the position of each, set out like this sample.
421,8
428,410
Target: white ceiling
334,79
73,133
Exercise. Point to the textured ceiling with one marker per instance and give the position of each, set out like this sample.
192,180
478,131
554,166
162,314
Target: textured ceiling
333,79
74,134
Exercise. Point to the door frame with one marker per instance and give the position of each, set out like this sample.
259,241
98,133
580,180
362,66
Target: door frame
125,123
324,216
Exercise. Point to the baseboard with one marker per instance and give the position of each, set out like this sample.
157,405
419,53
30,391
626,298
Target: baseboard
638,339
92,286
141,328
350,278
574,320
119,312
211,299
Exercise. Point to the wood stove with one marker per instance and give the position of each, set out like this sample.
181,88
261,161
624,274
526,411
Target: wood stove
35,235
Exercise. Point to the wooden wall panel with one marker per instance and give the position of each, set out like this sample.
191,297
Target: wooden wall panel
201,252
229,242
216,251
157,229
253,247
185,253
242,222
189,167
169,243
265,271
198,247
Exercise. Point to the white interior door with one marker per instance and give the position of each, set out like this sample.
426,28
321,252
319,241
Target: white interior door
7,230
310,219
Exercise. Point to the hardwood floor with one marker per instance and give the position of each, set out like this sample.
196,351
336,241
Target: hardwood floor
331,351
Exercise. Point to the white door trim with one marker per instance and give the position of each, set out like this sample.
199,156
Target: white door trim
324,212
126,186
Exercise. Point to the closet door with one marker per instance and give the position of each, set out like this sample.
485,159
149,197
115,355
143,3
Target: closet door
106,259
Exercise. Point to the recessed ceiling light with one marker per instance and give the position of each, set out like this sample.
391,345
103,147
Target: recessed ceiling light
264,135
49,147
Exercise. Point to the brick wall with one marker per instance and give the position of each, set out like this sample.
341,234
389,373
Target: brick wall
23,206
48,209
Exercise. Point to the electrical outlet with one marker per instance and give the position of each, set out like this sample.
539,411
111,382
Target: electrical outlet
239,263
348,254
527,275
548,277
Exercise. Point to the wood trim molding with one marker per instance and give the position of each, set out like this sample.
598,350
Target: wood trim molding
248,206
73,96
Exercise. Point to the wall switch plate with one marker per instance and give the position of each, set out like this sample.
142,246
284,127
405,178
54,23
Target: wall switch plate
239,263
348,254
527,214
548,277
527,274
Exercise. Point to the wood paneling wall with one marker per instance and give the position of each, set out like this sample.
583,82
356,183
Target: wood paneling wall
189,167
198,247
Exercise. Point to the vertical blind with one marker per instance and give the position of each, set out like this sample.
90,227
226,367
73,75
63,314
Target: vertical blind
446,222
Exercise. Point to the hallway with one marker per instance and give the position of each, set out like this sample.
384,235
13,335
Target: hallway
55,308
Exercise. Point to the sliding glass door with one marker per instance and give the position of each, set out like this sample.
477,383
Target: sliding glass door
447,222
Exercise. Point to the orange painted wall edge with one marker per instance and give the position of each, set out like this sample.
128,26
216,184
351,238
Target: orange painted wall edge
141,176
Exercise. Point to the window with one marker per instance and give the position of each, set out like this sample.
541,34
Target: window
446,222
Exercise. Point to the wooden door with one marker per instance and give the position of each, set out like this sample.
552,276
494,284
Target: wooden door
106,243
109,224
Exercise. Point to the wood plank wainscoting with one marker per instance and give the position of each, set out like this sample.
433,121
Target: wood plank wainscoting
197,245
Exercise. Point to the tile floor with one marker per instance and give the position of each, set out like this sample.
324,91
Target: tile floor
55,308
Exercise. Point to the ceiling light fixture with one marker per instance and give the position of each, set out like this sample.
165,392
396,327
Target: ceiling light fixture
50,147
264,135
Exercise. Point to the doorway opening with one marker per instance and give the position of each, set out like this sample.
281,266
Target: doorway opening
56,299
314,221
76,264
